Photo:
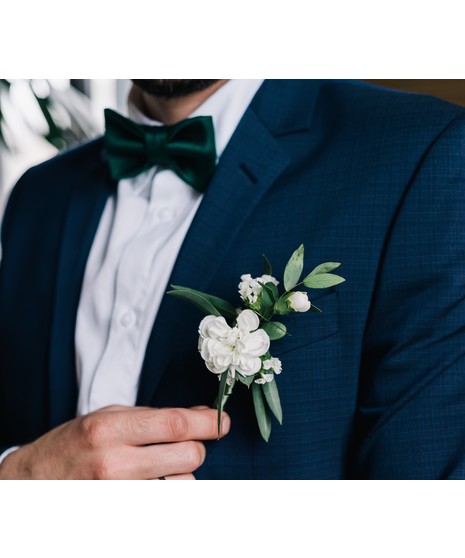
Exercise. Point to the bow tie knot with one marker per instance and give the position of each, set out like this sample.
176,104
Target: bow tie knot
187,148
155,148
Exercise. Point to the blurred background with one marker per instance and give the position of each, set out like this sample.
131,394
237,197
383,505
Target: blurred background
40,117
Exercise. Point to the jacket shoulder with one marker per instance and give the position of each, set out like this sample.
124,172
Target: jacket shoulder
80,159
376,106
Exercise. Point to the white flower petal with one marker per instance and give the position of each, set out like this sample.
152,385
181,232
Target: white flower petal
204,324
248,321
255,344
216,328
273,364
248,366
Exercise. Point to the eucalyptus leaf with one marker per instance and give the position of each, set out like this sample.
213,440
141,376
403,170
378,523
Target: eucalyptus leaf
197,300
270,389
261,412
267,269
324,268
220,399
323,281
225,308
275,330
246,380
294,268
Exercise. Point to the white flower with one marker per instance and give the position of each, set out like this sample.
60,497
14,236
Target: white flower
266,378
237,349
299,302
273,364
250,289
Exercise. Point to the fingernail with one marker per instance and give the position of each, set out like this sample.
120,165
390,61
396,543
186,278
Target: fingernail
225,424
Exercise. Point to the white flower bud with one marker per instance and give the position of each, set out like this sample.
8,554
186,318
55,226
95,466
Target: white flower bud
299,302
273,364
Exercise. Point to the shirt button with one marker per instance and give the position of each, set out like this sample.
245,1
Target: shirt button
165,214
128,319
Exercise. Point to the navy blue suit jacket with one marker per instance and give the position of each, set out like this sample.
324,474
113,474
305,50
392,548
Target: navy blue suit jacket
372,388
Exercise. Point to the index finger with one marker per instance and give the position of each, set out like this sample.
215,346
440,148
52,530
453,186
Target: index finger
154,426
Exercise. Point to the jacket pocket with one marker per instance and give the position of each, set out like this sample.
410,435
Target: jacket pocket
308,328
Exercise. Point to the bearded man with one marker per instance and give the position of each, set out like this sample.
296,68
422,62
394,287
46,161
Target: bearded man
100,376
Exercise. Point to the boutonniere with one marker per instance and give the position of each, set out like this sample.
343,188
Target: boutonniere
235,342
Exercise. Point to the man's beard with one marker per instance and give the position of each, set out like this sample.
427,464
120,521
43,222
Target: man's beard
173,88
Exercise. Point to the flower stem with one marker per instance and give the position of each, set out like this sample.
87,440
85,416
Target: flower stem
221,400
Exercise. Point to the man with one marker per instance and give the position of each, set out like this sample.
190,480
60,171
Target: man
374,387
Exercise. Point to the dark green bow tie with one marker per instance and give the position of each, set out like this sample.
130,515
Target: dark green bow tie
187,148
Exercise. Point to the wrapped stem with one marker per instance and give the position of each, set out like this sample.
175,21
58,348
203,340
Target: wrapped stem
221,399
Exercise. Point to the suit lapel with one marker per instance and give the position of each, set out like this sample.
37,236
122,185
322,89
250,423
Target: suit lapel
85,207
251,163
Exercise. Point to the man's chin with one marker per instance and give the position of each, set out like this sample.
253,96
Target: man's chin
173,88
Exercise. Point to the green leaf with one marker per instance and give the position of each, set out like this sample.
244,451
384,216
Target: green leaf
275,330
266,302
197,300
261,412
324,268
221,392
314,308
267,269
223,306
273,290
246,380
281,306
323,281
270,389
294,268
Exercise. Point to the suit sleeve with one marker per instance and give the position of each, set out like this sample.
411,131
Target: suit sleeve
411,408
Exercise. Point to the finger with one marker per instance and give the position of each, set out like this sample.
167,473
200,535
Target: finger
162,460
200,407
154,426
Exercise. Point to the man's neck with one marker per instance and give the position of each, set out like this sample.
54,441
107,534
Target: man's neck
170,111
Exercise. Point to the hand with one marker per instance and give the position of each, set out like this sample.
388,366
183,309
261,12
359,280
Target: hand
119,443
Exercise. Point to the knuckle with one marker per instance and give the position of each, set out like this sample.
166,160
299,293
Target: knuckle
194,455
94,430
177,424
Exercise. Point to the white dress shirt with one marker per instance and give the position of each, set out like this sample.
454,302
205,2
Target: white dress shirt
135,248
140,234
